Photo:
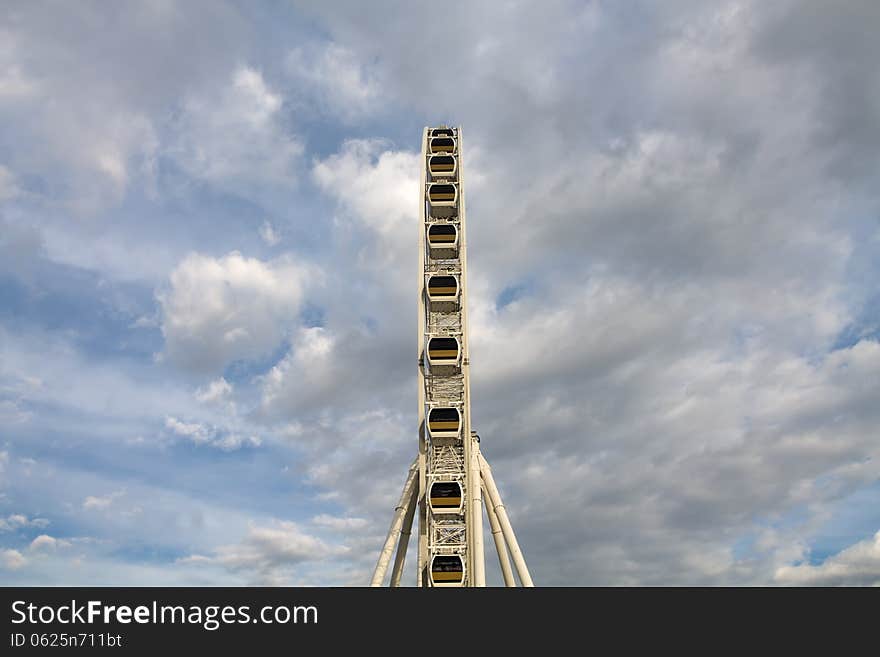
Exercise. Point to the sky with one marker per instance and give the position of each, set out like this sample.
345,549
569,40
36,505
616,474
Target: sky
208,303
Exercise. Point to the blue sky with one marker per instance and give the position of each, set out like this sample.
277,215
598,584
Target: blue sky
207,300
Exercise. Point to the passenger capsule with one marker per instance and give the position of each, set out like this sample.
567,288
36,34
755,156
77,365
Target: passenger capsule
442,144
442,166
443,240
442,199
445,497
442,132
443,352
442,290
447,570
444,422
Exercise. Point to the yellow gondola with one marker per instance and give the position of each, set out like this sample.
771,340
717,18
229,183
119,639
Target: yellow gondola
442,132
442,234
441,192
444,422
445,497
443,351
442,145
443,199
443,240
447,570
442,166
443,289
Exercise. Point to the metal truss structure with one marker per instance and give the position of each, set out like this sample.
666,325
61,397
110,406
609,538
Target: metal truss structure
450,480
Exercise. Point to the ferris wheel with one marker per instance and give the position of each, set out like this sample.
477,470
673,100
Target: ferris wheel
450,480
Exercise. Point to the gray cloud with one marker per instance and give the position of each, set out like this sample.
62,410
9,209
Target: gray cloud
660,390
857,565
268,554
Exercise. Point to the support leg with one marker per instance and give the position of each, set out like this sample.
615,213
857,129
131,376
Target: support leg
403,543
495,499
500,545
396,523
478,557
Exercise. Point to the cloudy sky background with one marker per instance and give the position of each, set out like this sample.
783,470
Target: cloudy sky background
208,306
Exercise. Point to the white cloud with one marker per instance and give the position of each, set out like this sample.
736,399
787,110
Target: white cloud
202,434
857,565
216,391
194,431
379,186
8,187
339,524
45,542
216,310
20,521
311,351
336,80
269,235
15,86
232,441
98,502
270,554
93,143
236,134
12,559
11,412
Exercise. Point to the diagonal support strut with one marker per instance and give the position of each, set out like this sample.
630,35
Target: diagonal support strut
506,528
396,525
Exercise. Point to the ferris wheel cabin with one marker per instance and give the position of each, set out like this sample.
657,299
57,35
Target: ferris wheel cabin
442,199
447,570
443,289
443,240
444,422
442,166
446,497
444,352
442,144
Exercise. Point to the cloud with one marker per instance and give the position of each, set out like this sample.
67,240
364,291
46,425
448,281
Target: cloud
92,142
202,434
336,80
8,188
271,554
98,502
217,310
236,135
339,524
18,521
380,187
268,234
45,542
216,391
857,565
674,340
12,559
316,378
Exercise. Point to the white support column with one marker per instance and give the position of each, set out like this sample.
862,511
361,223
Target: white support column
474,515
495,499
403,542
396,523
500,545
479,561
